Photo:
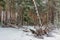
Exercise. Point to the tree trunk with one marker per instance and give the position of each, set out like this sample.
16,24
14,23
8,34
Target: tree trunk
39,19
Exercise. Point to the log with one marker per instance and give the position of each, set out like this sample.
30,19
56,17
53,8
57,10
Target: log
14,26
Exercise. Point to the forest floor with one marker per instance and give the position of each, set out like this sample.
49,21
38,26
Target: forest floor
19,34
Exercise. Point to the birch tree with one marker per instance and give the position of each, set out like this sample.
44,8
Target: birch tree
37,13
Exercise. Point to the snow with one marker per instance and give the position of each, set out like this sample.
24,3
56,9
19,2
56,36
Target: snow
18,34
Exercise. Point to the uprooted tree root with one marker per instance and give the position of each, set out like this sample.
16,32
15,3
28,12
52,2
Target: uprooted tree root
40,32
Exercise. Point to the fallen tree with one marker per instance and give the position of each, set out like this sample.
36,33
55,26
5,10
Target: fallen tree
10,25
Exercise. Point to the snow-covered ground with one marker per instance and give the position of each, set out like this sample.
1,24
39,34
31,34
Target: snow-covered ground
18,34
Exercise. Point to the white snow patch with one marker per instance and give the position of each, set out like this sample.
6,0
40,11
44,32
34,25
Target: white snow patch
17,34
